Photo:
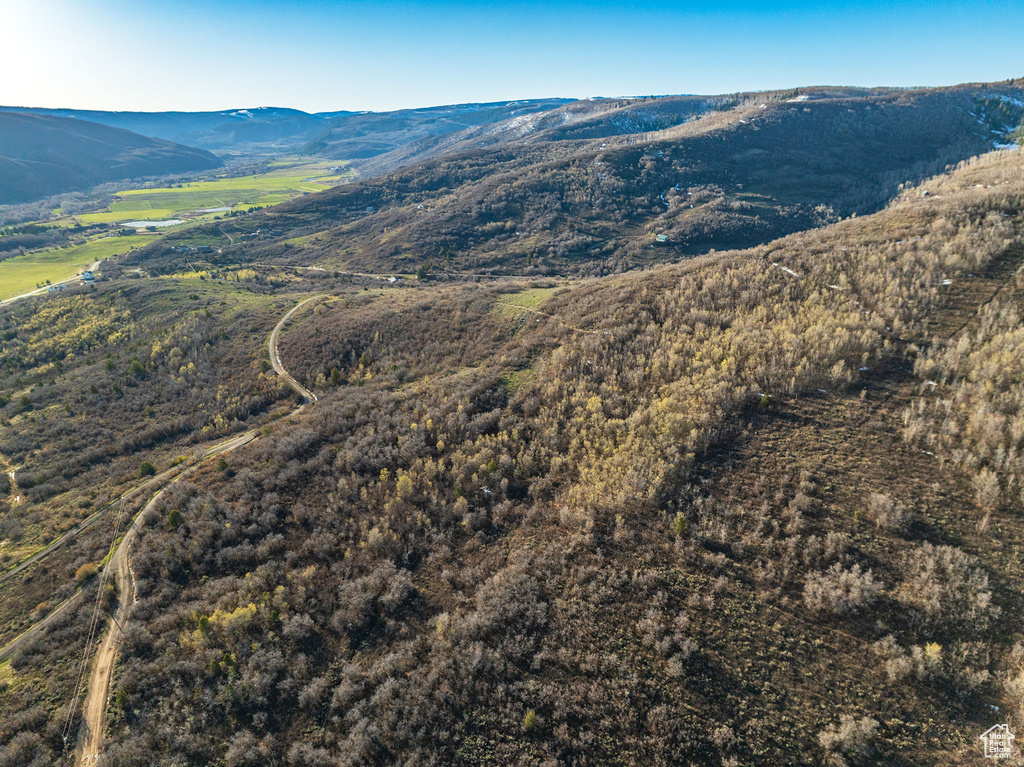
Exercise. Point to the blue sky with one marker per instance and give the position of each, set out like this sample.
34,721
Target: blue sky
322,56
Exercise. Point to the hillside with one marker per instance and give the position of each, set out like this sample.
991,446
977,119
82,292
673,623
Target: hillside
580,525
587,119
43,155
723,174
697,438
756,507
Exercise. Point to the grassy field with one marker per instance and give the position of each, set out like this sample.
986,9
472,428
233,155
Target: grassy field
514,304
188,201
24,273
191,202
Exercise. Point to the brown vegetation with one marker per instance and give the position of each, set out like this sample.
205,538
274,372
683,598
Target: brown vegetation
469,530
551,203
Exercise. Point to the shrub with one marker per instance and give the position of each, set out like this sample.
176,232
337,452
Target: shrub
851,738
945,588
86,572
986,488
887,514
840,591
1013,681
146,469
530,721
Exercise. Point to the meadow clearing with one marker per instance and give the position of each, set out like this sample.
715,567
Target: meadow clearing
23,274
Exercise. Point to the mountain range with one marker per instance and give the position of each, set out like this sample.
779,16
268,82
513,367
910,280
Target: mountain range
276,129
910,127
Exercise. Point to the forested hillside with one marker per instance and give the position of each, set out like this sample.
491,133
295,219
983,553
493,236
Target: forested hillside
43,155
555,201
364,135
748,508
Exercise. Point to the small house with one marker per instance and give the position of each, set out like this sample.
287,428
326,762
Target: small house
662,238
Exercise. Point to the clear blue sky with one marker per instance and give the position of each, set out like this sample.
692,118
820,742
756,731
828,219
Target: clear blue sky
322,56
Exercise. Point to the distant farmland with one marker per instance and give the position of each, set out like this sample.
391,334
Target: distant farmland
236,193
188,202
24,273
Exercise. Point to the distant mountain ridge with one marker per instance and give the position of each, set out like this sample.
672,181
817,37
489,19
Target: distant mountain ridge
264,127
42,155
340,134
358,136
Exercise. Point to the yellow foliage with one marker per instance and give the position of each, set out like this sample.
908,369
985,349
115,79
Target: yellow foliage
236,620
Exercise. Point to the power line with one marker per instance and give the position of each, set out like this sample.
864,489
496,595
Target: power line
93,624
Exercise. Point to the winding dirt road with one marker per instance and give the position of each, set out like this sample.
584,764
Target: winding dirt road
95,713
275,359
90,738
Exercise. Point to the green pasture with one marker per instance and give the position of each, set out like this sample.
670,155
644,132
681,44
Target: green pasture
512,304
286,179
185,201
23,274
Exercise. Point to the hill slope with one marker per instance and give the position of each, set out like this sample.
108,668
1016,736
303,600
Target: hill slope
723,175
665,517
363,135
42,155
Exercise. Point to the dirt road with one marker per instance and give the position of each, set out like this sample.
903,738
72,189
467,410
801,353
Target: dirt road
275,358
95,713
15,490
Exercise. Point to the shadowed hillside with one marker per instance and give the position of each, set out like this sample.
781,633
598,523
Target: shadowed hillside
340,134
44,155
259,129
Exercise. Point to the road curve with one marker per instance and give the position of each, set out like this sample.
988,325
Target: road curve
275,359
98,693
